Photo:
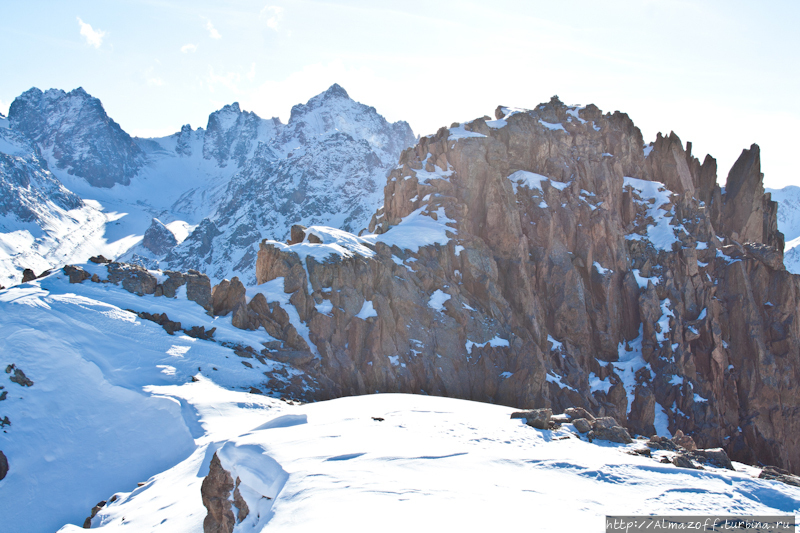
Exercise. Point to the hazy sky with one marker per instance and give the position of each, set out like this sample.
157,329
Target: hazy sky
720,74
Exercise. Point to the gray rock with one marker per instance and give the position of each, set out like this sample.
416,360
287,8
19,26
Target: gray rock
579,412
778,474
683,461
228,297
582,425
20,378
537,418
134,278
614,434
28,275
198,289
3,465
714,456
158,238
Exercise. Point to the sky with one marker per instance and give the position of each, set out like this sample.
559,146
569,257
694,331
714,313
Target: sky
721,74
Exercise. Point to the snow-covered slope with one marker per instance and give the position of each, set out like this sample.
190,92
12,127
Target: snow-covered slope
91,424
41,222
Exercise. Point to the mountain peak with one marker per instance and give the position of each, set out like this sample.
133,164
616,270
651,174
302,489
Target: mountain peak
337,91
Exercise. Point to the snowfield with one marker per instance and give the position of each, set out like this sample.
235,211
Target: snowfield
116,401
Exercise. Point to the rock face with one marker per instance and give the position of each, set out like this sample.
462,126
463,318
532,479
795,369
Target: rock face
158,238
76,130
549,259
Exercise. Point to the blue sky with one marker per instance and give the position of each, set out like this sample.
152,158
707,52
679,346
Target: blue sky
720,74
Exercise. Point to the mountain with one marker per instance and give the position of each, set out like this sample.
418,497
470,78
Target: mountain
549,258
326,166
38,215
335,149
74,129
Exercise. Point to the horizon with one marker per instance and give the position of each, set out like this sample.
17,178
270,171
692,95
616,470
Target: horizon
715,73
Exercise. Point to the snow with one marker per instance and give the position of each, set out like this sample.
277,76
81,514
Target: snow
642,281
698,398
654,195
325,307
574,113
531,180
629,363
496,124
661,421
495,342
458,249
647,149
556,346
431,463
701,246
552,377
417,230
459,132
437,300
367,310
551,126
597,384
436,464
89,426
663,322
601,270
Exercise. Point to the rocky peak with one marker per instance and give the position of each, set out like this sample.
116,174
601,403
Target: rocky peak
233,134
78,136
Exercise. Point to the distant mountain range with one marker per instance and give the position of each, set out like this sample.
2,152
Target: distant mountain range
218,190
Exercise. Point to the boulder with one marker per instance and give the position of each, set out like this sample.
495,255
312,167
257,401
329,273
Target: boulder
684,441
607,428
537,418
99,259
582,424
76,274
578,412
682,461
198,289
713,456
773,473
28,275
134,278
298,234
228,296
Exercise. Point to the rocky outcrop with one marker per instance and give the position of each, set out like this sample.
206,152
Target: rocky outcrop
216,491
3,465
75,129
158,238
536,260
76,274
221,496
227,297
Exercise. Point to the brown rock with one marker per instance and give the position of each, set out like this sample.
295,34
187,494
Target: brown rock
76,274
684,441
198,289
215,492
579,412
99,259
683,461
28,275
297,234
228,296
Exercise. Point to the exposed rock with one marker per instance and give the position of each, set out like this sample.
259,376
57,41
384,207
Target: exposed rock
607,428
216,491
28,275
75,128
158,238
198,289
87,524
99,259
134,278
537,418
714,456
76,274
770,472
583,425
579,412
227,297
575,282
20,378
161,319
684,441
297,234
3,465
199,332
683,461
661,443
